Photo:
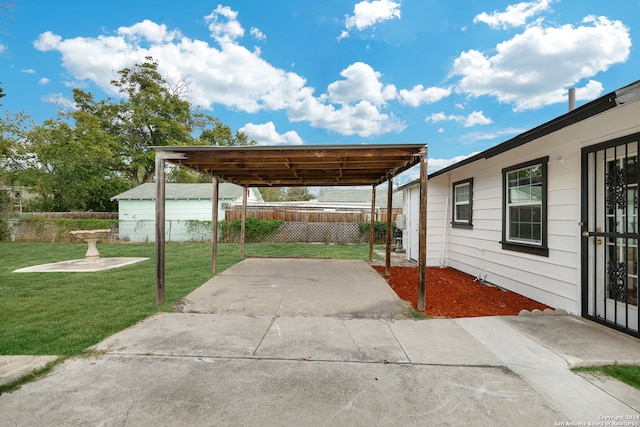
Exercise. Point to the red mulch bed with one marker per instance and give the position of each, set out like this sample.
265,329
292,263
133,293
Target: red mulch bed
451,293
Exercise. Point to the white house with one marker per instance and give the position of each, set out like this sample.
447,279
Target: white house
551,214
188,210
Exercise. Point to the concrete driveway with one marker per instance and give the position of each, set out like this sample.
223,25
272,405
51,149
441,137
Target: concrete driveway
296,342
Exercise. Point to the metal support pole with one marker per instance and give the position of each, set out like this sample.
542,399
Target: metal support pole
160,229
372,226
214,226
244,221
422,237
387,265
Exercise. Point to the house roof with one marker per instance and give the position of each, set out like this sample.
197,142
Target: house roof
618,97
147,191
298,166
357,195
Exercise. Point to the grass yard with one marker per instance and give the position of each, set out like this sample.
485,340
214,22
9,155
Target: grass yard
64,313
626,374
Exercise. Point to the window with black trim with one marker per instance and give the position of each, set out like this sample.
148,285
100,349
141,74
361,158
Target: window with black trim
462,209
524,211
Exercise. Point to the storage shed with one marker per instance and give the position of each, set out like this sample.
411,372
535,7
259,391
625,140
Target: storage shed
188,210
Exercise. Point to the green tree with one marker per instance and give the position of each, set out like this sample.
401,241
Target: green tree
70,169
272,194
185,176
14,129
298,194
222,136
2,94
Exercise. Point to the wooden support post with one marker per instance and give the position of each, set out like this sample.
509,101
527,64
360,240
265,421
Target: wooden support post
372,226
160,228
422,237
214,226
244,221
387,265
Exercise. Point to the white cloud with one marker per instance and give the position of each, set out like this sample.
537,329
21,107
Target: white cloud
362,83
224,25
419,95
44,81
266,134
29,71
516,15
483,136
473,119
368,13
257,34
229,74
535,68
437,164
60,101
363,118
149,31
3,47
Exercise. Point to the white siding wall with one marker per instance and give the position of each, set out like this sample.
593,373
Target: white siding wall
553,280
137,218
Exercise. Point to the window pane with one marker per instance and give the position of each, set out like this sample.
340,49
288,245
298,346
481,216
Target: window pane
525,223
462,192
462,212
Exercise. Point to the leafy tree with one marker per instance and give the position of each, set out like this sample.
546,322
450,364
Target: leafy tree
186,176
288,194
222,136
298,194
272,194
2,94
13,131
5,210
69,168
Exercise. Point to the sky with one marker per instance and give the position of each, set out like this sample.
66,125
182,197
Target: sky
458,75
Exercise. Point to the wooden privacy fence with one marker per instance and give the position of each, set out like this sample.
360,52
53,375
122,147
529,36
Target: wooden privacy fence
304,214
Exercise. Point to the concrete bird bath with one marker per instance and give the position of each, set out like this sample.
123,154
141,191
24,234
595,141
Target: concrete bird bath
91,237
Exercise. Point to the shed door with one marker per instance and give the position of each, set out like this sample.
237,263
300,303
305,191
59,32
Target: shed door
610,237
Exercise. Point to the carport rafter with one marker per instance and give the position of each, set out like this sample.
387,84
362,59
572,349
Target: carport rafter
297,166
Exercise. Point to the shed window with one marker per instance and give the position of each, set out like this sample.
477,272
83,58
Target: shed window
462,203
524,212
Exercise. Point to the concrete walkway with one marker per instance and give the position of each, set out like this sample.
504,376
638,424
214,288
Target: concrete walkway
243,353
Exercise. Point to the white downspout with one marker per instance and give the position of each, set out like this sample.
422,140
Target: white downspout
443,263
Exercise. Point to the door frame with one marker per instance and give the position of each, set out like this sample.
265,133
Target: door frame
590,235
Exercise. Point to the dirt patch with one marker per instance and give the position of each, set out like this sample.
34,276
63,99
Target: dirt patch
451,293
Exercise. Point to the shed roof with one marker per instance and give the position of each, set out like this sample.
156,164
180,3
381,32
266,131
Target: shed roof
359,195
298,166
147,191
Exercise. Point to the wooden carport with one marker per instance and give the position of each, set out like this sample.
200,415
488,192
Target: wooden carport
294,166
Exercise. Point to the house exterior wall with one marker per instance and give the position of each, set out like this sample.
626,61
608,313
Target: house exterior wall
553,280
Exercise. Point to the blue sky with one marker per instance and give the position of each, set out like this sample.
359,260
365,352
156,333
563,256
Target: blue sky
458,75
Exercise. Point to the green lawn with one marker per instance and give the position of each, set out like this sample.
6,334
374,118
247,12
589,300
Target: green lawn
626,374
64,313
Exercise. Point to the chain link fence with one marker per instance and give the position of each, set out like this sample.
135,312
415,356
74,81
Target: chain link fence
143,231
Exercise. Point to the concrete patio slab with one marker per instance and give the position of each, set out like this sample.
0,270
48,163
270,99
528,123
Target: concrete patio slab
183,334
579,341
14,367
442,342
80,265
331,339
298,287
178,391
545,371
